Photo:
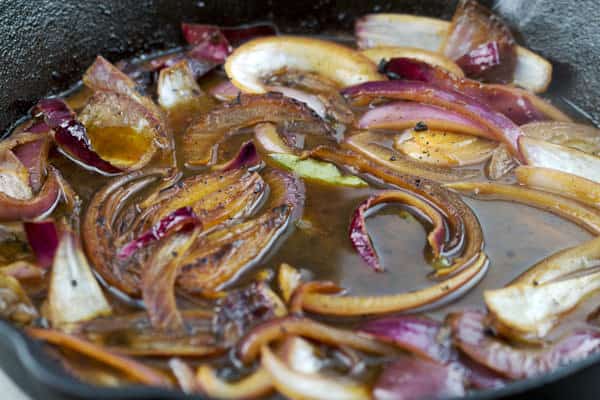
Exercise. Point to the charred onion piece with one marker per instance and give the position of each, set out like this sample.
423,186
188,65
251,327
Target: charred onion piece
12,209
255,385
368,145
561,183
70,134
274,329
531,71
43,240
127,366
309,386
260,58
583,216
98,229
481,43
358,228
74,294
471,336
539,153
519,105
385,53
202,138
549,289
183,218
499,127
415,378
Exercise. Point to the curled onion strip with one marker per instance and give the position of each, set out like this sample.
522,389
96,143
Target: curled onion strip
253,386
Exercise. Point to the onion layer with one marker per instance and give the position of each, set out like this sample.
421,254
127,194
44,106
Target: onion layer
583,216
253,386
384,53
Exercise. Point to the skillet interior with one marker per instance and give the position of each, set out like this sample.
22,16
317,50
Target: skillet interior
46,45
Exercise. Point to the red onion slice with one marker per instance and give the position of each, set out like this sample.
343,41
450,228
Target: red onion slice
71,135
472,338
183,218
247,157
403,114
360,237
410,378
502,128
43,239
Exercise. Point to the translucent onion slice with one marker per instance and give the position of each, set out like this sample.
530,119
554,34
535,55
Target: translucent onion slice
253,386
14,177
561,183
531,71
74,294
377,54
371,305
131,368
298,385
268,139
575,212
581,137
539,153
531,311
289,279
445,149
258,59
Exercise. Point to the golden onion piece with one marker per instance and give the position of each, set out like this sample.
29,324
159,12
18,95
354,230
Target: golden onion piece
261,58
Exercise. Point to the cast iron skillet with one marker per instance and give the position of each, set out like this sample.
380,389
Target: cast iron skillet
46,45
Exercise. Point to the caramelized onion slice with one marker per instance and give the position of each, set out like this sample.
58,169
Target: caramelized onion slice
269,141
247,157
414,378
444,148
15,305
136,370
358,228
309,386
368,145
581,137
531,71
253,386
539,153
568,185
202,138
365,305
178,92
466,234
260,58
248,348
471,336
14,177
74,294
499,126
583,216
384,53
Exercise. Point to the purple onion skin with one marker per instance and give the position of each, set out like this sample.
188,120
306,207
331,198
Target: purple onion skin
247,157
481,59
504,128
43,240
413,333
470,335
208,40
70,134
181,219
426,338
359,237
506,100
411,378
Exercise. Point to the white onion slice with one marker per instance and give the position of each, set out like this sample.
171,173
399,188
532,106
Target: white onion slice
260,58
